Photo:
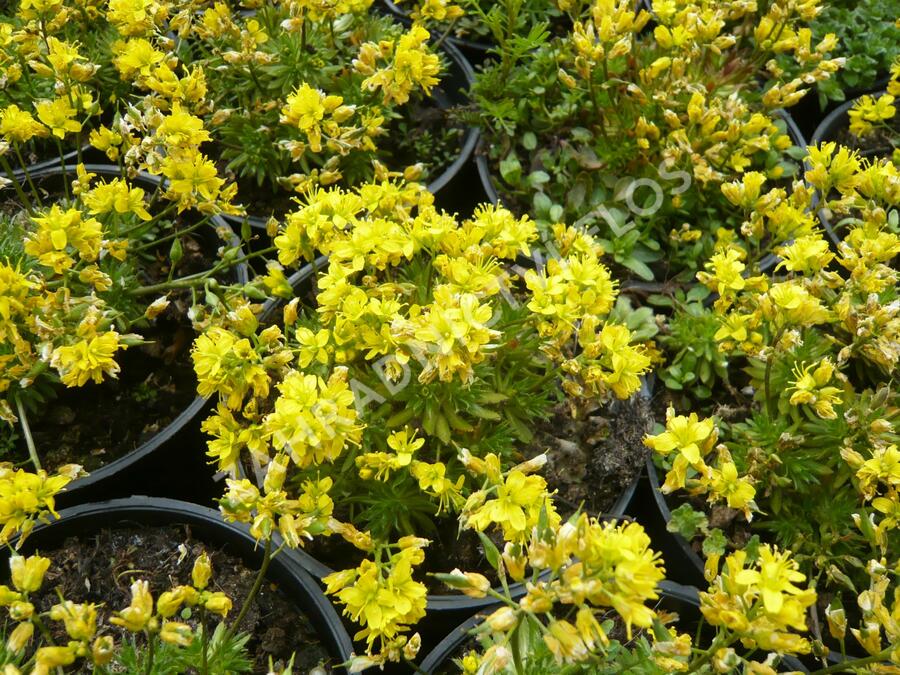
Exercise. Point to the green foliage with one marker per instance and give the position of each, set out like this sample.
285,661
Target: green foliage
225,654
868,37
694,365
687,522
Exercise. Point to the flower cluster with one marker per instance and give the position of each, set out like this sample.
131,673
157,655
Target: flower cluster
87,640
679,110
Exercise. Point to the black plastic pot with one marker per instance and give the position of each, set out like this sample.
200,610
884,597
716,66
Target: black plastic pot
147,467
69,158
682,562
490,186
837,119
452,91
674,597
207,525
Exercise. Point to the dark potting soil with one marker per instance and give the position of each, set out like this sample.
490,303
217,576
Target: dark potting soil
876,145
100,569
96,424
592,460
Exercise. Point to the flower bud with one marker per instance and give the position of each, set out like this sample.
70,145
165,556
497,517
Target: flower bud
218,603
502,619
157,307
20,637
411,648
202,571
175,633
837,621
170,602
28,573
21,611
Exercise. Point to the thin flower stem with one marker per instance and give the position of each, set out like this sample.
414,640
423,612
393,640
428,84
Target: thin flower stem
31,186
260,577
29,441
150,644
162,240
850,664
15,183
62,166
194,280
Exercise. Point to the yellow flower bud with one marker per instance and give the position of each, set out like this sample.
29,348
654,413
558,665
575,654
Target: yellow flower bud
47,658
202,571
21,611
170,602
218,603
837,621
20,637
175,633
103,649
502,619
28,573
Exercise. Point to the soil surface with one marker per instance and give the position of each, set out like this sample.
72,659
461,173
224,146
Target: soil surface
874,146
100,569
593,459
96,424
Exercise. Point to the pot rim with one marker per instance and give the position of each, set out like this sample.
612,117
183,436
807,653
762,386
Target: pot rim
107,472
296,582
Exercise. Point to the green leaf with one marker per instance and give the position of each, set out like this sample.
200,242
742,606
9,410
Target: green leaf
490,550
511,169
687,522
638,268
529,140
714,543
538,178
556,213
542,204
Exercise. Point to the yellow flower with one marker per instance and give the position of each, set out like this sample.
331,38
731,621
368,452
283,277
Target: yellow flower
516,508
59,116
228,365
49,658
692,437
135,617
18,126
737,491
88,359
179,129
60,230
433,480
80,620
176,633
453,335
305,109
810,388
193,179
867,112
116,196
313,419
28,497
412,65
136,57
774,579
